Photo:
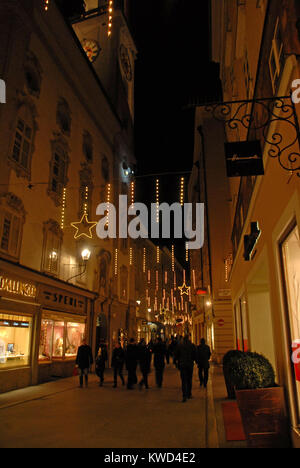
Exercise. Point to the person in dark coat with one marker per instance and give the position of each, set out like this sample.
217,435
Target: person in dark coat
159,351
131,359
186,355
203,357
144,357
84,361
117,363
101,359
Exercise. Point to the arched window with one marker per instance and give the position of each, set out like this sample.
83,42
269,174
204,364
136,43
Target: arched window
12,219
58,169
63,117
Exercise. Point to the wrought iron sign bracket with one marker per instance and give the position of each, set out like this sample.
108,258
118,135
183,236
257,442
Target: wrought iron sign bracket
273,121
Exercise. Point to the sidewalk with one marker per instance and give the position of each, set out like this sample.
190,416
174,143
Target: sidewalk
217,393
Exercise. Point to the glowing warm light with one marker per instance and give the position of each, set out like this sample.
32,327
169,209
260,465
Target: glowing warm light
85,255
108,198
63,208
157,200
157,255
110,18
116,262
173,258
131,256
132,191
182,191
144,260
187,251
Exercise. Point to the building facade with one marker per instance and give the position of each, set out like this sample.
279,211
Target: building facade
257,44
66,147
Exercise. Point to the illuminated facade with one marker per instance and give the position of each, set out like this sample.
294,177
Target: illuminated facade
64,147
257,45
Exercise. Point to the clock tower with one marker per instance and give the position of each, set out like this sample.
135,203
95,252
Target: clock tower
105,36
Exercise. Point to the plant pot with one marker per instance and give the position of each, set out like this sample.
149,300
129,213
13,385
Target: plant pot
264,417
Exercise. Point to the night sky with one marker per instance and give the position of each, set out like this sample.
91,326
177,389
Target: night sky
172,37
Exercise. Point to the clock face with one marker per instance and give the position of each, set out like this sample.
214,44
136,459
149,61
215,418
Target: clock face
125,62
91,48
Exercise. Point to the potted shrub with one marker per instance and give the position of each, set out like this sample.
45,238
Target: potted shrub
229,363
261,402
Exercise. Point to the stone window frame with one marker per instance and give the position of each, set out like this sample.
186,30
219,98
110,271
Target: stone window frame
11,208
33,75
27,115
59,147
64,117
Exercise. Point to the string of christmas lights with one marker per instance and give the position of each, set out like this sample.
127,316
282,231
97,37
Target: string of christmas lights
110,17
63,208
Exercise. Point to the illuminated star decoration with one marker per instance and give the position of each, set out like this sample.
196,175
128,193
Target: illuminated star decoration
184,289
84,227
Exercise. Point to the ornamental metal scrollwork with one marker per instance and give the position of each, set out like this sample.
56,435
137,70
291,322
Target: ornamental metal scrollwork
264,121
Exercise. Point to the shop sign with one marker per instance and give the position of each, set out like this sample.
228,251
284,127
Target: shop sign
60,300
244,158
17,287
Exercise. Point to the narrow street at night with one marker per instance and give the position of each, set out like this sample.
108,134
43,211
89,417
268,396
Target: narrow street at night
62,415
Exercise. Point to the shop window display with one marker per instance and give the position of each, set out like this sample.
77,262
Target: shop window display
60,339
75,334
15,333
291,261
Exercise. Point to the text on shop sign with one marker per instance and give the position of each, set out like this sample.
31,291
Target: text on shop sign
17,287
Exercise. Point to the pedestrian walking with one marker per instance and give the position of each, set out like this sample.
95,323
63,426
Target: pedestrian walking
131,359
186,355
144,357
159,351
117,363
203,357
102,357
84,361
167,344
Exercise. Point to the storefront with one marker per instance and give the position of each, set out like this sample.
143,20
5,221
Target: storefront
42,324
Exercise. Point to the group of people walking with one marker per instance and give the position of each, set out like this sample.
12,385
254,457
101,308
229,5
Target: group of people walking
183,352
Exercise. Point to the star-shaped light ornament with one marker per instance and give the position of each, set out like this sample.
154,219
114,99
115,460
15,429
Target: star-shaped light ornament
84,227
184,289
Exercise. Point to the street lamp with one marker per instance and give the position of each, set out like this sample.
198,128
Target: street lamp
85,255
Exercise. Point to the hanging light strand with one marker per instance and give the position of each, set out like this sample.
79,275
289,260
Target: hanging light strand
182,191
110,17
46,5
157,200
63,208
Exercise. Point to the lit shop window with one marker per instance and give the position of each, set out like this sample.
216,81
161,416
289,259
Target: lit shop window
291,263
15,333
60,339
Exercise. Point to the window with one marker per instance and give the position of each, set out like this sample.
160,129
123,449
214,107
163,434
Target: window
276,60
290,250
12,218
23,142
33,75
58,170
60,339
53,237
87,147
63,117
15,335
